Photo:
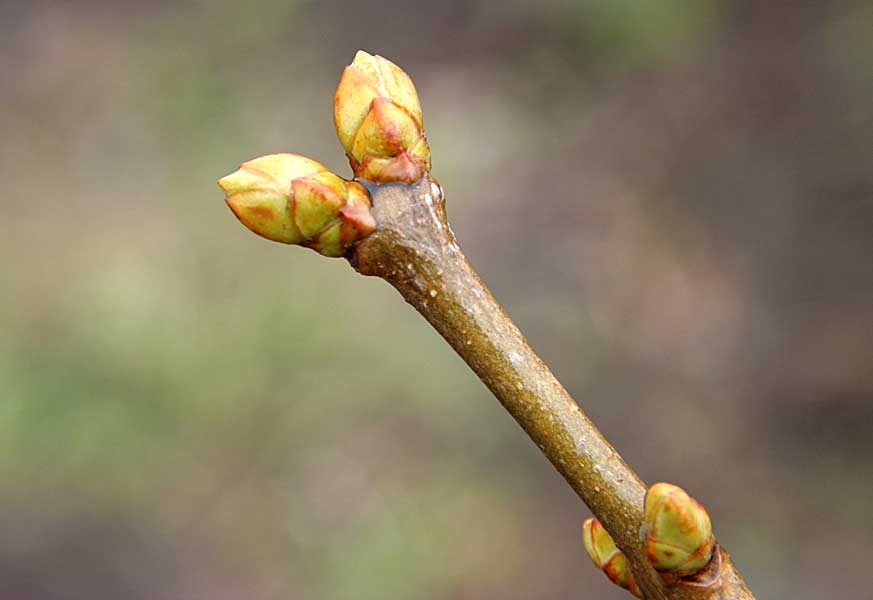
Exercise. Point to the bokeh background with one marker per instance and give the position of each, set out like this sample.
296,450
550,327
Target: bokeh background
673,199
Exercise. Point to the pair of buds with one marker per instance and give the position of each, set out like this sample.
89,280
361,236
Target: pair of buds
679,539
291,199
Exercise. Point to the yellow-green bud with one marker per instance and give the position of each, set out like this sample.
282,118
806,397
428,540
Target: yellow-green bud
605,554
679,537
291,199
379,123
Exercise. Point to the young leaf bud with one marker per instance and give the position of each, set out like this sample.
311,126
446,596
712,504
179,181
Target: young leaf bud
379,123
605,554
294,200
679,537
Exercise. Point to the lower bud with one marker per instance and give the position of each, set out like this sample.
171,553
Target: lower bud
605,554
679,538
294,200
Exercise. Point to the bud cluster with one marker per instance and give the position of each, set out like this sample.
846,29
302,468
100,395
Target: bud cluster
678,536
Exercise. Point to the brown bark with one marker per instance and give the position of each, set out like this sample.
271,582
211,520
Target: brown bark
414,249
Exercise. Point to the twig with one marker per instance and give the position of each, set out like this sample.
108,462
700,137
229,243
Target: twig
398,231
414,249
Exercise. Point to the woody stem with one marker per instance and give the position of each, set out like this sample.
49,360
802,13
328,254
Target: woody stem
414,249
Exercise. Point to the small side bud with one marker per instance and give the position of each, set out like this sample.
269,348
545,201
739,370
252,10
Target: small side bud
294,200
606,556
679,537
379,122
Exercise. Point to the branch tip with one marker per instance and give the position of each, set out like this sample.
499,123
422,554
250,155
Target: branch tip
379,121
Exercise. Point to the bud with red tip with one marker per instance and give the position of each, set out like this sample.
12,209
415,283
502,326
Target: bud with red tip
379,122
605,554
679,537
291,199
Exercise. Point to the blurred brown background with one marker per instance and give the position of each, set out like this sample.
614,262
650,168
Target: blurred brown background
673,199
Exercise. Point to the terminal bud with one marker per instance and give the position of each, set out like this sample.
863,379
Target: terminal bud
379,122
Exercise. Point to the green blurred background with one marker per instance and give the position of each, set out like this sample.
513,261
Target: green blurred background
673,199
